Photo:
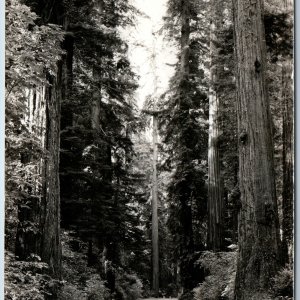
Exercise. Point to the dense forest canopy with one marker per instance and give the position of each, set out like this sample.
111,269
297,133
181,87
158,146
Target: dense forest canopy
171,177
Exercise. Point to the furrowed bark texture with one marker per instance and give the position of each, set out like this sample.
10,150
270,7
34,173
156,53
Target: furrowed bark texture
55,93
258,256
50,216
287,161
215,199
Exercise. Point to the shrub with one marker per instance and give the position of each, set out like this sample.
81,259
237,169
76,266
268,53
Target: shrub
283,283
128,286
219,284
96,289
85,283
80,281
70,291
26,280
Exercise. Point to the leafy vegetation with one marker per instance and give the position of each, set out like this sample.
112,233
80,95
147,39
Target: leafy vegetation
28,280
283,283
221,267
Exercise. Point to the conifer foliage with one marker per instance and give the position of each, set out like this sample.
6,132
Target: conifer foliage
184,129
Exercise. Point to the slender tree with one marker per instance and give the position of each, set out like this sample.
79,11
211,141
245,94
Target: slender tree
155,242
155,248
183,126
258,257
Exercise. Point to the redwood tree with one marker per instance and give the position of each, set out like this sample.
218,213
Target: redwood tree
258,257
40,84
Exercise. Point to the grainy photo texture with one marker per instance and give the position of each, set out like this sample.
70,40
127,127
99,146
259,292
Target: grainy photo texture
149,150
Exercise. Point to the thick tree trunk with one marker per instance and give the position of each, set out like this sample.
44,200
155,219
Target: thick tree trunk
215,190
50,207
287,162
50,214
155,254
258,257
47,112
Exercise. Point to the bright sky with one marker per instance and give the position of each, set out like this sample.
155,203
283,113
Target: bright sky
141,48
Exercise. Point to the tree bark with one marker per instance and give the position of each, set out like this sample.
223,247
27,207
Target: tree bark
215,190
46,111
50,207
258,256
51,251
287,162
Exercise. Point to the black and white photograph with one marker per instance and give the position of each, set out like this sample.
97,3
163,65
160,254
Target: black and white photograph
149,150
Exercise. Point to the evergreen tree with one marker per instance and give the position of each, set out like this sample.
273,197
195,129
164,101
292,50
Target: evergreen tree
258,216
183,126
98,120
34,85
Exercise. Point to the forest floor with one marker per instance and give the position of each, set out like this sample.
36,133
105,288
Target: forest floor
160,298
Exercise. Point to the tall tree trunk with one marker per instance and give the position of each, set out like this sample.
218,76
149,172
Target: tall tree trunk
55,93
155,254
215,190
50,207
154,202
258,257
287,161
48,212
